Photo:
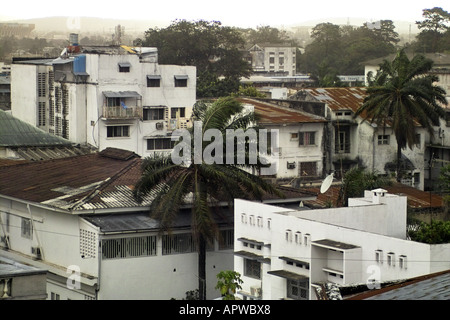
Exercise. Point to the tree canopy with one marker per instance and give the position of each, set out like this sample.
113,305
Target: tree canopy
213,48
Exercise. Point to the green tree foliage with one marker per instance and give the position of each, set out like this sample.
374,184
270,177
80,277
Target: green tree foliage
403,94
434,31
205,184
214,49
228,283
356,181
435,232
343,49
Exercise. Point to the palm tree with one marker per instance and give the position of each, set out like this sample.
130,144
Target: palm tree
201,184
402,96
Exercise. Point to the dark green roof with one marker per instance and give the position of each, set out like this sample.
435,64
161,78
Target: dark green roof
17,133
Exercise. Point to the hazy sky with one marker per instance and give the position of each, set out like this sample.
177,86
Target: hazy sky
241,13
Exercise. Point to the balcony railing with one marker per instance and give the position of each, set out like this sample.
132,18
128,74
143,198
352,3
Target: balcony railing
121,112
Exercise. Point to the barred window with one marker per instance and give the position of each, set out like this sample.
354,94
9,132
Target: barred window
297,289
226,239
307,169
252,268
178,243
129,247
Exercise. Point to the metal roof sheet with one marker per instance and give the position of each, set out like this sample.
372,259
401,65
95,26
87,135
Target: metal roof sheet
273,114
339,98
17,133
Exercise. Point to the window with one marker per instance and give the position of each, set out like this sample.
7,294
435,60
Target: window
259,221
252,220
383,139
294,136
181,81
243,218
342,139
252,268
307,138
288,235
178,243
41,120
306,239
226,239
307,169
379,256
54,296
269,223
297,289
153,81
117,131
27,228
417,140
153,113
122,248
174,111
160,144
42,83
391,259
298,237
402,262
124,67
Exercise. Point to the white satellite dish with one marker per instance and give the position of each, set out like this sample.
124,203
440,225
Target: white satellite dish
326,183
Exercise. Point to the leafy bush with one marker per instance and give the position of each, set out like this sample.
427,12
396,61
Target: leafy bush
434,233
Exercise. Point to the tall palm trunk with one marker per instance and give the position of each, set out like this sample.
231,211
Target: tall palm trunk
201,268
399,159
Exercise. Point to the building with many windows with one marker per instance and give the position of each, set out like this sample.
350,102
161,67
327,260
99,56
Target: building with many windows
295,254
105,96
76,217
271,59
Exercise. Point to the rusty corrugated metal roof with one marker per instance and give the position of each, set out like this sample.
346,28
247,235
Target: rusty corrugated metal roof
339,98
61,182
272,114
417,199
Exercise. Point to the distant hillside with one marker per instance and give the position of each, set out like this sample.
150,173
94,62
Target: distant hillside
402,27
87,25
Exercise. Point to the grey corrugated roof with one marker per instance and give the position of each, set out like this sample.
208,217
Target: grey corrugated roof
433,288
17,133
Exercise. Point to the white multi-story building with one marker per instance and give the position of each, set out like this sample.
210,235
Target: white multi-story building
301,140
272,58
77,218
113,96
288,254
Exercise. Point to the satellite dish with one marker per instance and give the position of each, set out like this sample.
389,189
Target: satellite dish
326,183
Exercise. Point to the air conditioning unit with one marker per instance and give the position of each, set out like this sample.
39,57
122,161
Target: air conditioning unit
37,252
291,165
160,125
255,291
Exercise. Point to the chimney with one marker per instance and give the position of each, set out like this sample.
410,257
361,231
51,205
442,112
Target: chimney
377,194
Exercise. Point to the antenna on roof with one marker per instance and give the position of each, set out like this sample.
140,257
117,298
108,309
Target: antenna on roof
326,183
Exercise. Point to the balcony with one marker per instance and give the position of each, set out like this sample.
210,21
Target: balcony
122,105
120,112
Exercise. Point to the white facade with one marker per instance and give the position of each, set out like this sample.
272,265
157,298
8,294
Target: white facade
71,250
273,59
106,98
285,254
